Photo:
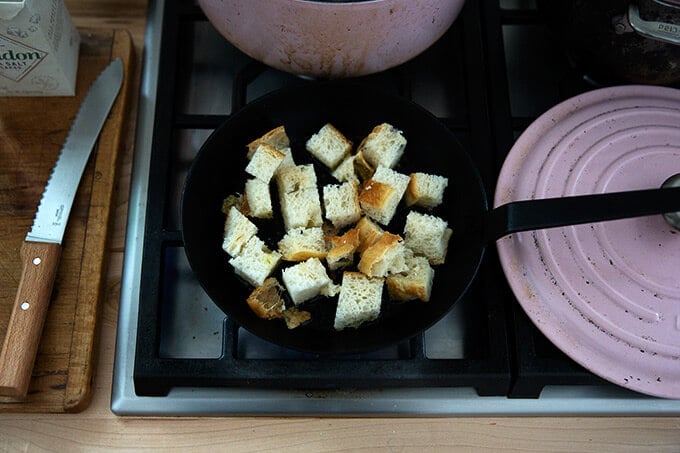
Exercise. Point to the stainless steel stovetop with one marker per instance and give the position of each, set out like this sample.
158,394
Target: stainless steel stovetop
172,364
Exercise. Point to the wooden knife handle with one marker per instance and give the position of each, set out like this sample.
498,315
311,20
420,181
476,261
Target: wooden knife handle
40,261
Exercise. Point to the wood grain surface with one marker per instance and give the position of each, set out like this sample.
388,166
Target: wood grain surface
32,131
96,429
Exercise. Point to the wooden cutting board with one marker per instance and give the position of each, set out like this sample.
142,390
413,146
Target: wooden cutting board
32,131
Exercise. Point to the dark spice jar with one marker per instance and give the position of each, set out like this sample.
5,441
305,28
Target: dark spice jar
619,41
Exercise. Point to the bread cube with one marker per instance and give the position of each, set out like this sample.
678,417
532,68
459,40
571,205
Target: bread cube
255,262
341,204
427,235
359,301
306,280
300,244
382,193
414,283
369,232
265,162
385,256
329,146
291,179
384,146
238,229
344,172
277,137
266,301
301,209
341,249
258,199
426,190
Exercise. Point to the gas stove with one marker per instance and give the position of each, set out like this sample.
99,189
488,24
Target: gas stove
177,354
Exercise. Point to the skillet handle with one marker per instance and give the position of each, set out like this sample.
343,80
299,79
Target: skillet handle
556,212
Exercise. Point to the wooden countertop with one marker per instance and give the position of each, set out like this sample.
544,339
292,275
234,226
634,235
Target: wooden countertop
97,428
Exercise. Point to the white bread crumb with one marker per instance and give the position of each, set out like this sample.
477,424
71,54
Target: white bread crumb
359,301
329,146
341,204
306,280
265,162
426,190
382,193
384,146
238,229
300,244
427,235
255,262
258,199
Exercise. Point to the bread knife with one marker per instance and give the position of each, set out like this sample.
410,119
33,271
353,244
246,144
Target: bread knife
41,249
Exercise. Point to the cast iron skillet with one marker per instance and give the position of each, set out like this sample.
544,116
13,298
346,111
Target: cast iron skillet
217,171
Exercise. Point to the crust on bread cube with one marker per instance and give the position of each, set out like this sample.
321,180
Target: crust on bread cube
238,229
277,137
297,177
359,301
300,244
384,146
341,249
341,204
306,280
258,200
384,257
427,235
255,262
301,209
426,190
414,283
329,146
369,232
381,194
265,162
266,301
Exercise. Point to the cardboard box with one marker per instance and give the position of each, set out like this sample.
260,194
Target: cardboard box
39,48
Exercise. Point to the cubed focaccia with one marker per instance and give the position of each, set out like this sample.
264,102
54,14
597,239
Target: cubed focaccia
384,146
341,204
359,301
341,249
277,137
426,190
300,244
427,235
329,146
255,262
265,162
238,229
258,200
381,194
306,280
384,257
414,283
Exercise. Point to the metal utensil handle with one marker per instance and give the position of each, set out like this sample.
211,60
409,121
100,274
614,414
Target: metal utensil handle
530,215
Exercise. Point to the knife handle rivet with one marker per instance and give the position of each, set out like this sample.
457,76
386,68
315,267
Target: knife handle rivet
25,305
37,260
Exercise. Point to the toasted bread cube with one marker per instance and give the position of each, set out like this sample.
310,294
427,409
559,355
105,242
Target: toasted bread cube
306,280
258,199
341,204
266,301
300,244
384,146
344,172
265,162
382,193
369,232
359,301
385,256
238,229
341,249
255,262
426,190
414,283
277,137
291,179
427,235
329,146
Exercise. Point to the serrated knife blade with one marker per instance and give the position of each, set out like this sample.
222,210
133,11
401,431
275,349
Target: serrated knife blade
41,249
